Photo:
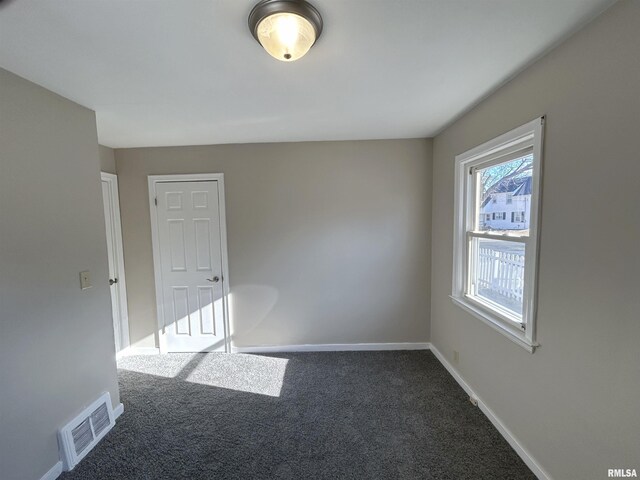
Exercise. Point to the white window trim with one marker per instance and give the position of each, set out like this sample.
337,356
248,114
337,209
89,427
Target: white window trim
529,135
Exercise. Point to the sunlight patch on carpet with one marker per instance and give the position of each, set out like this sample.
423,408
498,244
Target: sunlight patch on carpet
242,372
249,373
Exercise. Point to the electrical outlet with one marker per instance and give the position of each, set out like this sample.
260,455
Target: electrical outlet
456,357
85,280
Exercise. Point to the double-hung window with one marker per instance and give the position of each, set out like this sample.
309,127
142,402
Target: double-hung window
517,217
495,263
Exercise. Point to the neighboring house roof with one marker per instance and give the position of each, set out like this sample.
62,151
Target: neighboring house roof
524,188
518,186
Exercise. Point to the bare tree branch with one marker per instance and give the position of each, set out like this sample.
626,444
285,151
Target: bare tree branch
494,177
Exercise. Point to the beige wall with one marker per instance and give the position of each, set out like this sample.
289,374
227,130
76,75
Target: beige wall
328,241
574,403
107,159
56,342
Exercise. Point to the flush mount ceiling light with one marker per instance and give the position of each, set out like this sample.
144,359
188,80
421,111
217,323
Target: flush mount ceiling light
287,29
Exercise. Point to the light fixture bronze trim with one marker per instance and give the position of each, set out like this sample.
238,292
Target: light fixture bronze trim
266,8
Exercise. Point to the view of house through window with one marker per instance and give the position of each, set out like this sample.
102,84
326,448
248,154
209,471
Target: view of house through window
504,207
505,196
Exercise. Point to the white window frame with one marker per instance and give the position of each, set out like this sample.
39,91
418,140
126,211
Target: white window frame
511,145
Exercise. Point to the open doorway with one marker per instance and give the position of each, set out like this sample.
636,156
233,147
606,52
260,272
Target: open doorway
116,260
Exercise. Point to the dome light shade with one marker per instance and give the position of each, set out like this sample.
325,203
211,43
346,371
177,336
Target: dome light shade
287,29
286,36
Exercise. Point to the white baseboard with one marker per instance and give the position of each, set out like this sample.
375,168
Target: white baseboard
119,410
325,347
501,427
127,352
54,472
332,347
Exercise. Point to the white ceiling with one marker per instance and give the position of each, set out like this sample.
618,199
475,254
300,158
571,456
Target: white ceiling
186,72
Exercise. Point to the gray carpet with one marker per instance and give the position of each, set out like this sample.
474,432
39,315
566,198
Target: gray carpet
347,415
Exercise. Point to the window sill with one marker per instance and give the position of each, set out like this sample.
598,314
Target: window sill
494,322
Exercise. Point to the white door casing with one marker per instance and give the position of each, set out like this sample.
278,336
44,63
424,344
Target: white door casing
115,258
189,263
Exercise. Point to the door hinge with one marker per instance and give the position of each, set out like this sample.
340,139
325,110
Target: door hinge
155,200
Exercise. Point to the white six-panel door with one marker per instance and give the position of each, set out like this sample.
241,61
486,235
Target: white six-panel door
189,238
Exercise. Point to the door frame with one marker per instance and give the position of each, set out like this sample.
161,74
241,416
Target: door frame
112,182
153,180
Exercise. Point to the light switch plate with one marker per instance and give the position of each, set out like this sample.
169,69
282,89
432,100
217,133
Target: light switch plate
85,281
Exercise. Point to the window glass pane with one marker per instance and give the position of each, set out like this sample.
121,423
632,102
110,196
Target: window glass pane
499,272
504,196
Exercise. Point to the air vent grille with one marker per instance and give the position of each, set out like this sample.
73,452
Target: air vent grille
100,419
80,435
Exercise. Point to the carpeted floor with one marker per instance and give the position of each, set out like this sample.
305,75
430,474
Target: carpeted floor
337,415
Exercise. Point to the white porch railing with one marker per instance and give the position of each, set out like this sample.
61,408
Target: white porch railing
500,273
